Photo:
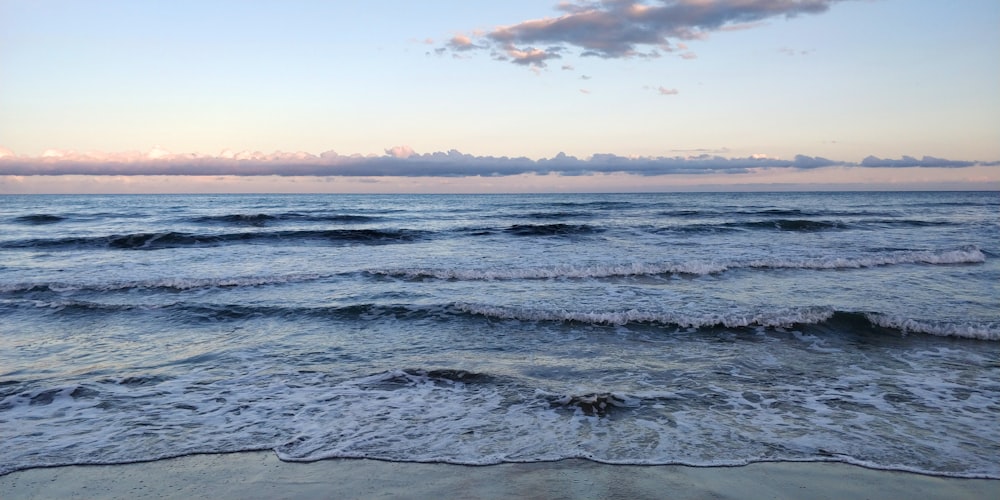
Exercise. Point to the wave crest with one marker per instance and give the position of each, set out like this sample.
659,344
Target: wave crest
966,255
173,239
772,319
977,331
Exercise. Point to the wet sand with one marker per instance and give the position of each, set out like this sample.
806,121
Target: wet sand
262,475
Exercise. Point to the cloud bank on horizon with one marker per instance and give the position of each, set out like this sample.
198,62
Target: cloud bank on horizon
626,28
867,89
403,161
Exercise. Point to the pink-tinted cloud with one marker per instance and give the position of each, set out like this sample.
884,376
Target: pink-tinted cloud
626,28
530,56
403,161
461,43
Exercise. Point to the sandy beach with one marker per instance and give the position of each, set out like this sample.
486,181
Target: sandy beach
262,475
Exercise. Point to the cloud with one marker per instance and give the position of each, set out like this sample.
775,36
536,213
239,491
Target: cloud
926,161
629,28
461,43
400,152
531,56
666,91
793,52
403,161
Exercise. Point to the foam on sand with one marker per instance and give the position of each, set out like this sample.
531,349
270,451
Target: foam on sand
262,475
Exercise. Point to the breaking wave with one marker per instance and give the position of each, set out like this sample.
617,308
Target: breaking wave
172,239
966,255
777,318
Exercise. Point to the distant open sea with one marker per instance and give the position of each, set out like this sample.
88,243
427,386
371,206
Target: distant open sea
699,329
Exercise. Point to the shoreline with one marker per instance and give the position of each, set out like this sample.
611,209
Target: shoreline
261,474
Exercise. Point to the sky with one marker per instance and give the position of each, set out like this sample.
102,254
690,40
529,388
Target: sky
120,96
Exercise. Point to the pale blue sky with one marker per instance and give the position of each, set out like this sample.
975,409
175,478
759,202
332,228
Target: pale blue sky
885,78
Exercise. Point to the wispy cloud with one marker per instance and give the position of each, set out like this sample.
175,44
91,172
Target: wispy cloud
403,161
661,90
794,52
631,28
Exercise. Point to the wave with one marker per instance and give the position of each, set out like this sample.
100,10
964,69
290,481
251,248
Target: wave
588,404
980,331
172,239
39,219
462,417
908,223
773,212
778,318
797,225
555,272
552,229
173,284
801,225
595,205
966,255
559,215
790,225
180,311
773,319
264,219
818,316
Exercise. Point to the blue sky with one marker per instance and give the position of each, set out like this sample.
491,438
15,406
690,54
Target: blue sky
665,94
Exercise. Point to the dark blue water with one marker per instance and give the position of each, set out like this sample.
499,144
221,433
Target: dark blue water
702,329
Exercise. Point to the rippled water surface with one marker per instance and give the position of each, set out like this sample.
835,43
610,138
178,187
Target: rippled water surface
703,329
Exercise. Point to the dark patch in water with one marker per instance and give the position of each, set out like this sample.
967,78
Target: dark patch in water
10,388
83,392
141,380
796,225
262,219
44,397
559,215
410,376
453,375
39,219
551,229
238,219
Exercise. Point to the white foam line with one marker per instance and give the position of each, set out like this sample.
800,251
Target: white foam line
970,255
780,318
979,331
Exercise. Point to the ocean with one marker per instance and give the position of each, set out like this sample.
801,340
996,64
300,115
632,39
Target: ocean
707,329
